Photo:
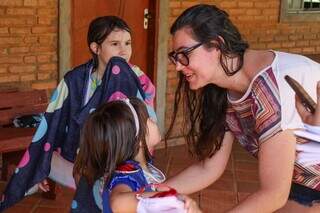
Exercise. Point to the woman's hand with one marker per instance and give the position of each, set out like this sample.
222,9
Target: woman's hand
44,185
306,116
190,205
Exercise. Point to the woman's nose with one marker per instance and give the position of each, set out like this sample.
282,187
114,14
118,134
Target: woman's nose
179,66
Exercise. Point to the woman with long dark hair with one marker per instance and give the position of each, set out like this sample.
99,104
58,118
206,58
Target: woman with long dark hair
232,92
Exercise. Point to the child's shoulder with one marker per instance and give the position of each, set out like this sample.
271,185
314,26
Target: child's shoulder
128,173
128,167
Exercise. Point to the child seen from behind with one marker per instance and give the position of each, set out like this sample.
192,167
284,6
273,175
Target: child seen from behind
116,143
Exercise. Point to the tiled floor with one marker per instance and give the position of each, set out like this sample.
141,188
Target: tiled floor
240,178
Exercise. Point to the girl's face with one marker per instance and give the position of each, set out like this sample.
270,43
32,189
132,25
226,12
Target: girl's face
153,136
117,43
204,65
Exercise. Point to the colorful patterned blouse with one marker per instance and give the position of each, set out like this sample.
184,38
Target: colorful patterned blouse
268,107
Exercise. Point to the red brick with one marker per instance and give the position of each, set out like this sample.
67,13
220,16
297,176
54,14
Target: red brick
19,50
176,12
228,4
3,69
43,49
174,4
266,38
48,39
295,37
186,4
260,46
236,11
244,18
11,59
302,43
20,11
10,40
22,69
274,4
315,43
44,85
8,78
43,76
31,39
54,57
30,59
270,12
46,67
245,4
47,11
310,36
296,50
281,38
28,77
42,30
20,30
308,50
11,2
48,3
288,44
6,21
4,30
253,12
45,20
260,4
31,2
2,11
44,58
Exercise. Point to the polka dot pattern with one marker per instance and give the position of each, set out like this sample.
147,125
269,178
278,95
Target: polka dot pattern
25,159
117,96
74,204
54,95
116,69
47,147
41,131
96,190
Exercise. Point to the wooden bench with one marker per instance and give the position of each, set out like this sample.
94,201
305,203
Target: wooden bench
14,141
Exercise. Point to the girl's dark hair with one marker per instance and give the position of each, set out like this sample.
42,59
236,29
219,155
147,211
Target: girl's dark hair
108,139
205,109
100,28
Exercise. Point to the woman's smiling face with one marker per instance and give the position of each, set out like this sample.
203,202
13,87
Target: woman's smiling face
204,63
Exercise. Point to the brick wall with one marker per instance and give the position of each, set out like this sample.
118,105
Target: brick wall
28,44
258,21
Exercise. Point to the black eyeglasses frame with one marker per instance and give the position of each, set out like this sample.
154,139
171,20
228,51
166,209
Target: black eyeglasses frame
174,56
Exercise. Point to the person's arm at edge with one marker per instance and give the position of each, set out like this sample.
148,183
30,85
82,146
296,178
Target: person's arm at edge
202,174
276,163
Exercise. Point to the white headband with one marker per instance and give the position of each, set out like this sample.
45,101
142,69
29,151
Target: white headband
134,113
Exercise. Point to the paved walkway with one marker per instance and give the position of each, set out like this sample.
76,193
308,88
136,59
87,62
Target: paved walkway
240,178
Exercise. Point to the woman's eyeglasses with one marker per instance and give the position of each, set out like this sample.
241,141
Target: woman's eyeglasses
182,56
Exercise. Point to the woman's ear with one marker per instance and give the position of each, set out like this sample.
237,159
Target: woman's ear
94,47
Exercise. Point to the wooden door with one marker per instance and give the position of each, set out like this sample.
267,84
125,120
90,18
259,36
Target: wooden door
132,11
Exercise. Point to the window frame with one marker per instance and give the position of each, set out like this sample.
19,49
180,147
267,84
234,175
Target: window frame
287,15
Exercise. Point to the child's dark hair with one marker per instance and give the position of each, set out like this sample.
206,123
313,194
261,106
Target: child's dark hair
108,139
100,28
